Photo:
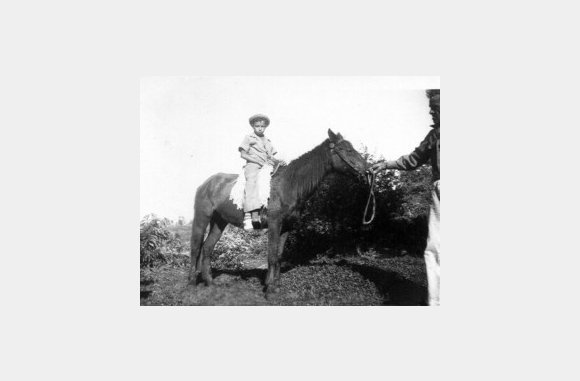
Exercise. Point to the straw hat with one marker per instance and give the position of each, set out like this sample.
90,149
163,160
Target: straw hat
259,117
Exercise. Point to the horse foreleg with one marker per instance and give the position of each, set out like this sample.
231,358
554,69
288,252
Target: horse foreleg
281,244
273,260
216,229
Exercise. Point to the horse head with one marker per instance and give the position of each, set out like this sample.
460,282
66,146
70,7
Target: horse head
344,157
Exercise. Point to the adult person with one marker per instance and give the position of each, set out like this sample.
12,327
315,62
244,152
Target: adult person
428,151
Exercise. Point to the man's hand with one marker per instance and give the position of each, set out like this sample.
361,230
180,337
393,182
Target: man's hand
379,167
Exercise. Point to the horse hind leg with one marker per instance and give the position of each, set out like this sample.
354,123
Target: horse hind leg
217,227
200,223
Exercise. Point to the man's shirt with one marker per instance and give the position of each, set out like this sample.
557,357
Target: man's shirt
429,149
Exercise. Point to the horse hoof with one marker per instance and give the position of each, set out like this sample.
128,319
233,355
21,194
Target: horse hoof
194,279
272,291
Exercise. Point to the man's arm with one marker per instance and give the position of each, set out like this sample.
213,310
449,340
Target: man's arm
411,161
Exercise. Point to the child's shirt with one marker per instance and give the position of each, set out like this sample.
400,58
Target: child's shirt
260,147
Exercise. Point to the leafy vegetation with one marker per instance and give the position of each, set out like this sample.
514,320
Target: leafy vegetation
332,218
157,243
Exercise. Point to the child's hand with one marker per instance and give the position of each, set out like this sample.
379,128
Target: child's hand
276,161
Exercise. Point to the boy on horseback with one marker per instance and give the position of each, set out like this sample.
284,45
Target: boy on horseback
258,151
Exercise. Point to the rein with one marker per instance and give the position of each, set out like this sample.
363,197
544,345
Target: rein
371,180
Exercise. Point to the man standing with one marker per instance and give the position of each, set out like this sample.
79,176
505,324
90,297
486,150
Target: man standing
428,150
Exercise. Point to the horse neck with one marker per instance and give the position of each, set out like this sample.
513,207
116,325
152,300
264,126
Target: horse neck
306,173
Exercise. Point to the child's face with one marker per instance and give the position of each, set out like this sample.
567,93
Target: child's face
259,127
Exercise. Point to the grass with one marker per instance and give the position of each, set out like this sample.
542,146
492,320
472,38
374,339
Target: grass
377,276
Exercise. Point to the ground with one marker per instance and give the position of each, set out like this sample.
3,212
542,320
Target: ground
370,278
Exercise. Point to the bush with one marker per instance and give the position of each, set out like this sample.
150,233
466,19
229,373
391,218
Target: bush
157,242
332,218
236,246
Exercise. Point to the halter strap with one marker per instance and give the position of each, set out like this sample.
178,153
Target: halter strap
371,180
340,155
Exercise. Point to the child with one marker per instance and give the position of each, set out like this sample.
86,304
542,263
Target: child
258,151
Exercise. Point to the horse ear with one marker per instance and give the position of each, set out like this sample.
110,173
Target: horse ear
332,136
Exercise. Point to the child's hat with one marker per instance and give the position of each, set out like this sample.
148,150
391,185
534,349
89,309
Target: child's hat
259,117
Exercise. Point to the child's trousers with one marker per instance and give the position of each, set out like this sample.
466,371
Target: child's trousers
252,192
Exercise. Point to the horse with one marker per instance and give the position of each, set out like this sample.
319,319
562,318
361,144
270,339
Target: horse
291,185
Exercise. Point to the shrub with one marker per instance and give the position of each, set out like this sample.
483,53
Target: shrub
332,218
236,246
157,241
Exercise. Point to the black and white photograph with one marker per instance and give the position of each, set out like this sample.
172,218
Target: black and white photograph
289,191
275,168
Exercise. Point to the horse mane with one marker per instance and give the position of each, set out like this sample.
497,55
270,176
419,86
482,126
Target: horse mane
306,172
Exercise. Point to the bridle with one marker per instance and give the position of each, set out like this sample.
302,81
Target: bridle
370,175
332,145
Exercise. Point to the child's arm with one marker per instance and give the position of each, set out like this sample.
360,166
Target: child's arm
275,160
250,158
244,149
272,151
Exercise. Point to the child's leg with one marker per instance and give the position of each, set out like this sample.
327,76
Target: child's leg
252,195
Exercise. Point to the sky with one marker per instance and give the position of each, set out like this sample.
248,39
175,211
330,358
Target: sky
191,127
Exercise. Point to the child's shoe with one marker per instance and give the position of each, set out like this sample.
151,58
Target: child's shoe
256,219
248,222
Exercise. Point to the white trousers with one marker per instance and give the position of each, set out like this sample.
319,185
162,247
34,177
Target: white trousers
433,246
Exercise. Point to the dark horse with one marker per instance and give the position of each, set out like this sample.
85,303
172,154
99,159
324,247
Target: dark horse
291,186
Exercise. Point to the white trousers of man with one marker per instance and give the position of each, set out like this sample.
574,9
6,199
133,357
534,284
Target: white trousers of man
433,246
